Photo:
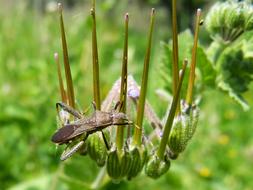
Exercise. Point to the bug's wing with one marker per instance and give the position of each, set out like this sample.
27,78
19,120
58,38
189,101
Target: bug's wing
72,130
63,134
81,126
85,128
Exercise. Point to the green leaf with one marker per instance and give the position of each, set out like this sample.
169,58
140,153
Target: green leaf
235,65
237,97
40,183
208,74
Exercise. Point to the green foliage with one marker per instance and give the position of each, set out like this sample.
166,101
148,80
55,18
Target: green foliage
226,65
232,56
28,92
236,66
229,19
205,72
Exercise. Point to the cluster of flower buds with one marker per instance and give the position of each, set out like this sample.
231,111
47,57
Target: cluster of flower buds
125,155
229,19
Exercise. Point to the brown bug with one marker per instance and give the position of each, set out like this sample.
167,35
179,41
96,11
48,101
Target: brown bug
83,126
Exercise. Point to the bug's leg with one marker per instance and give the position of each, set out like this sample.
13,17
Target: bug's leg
68,109
105,141
118,105
68,153
94,105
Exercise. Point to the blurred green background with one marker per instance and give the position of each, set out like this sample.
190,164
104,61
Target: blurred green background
220,155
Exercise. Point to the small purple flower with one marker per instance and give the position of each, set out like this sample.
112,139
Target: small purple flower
133,93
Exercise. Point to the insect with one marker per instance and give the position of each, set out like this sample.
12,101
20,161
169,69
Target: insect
83,126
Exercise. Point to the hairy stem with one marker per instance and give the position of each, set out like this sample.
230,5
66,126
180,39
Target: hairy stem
169,122
141,104
193,63
70,88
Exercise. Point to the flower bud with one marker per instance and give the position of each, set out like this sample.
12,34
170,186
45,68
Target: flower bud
183,128
156,167
118,164
249,17
216,18
236,18
97,149
177,139
139,158
229,19
113,165
249,23
125,163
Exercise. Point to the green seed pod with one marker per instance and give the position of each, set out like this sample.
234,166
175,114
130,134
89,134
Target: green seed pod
125,163
156,167
118,164
183,128
139,158
192,112
97,149
177,139
113,165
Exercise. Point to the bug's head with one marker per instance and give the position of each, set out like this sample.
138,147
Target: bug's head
120,119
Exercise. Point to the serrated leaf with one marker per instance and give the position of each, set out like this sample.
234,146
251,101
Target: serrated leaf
235,65
239,99
208,74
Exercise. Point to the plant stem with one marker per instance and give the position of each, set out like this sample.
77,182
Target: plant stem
141,103
169,122
96,87
193,63
175,51
70,88
101,179
56,177
123,87
62,90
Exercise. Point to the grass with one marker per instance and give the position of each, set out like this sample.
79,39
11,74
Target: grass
219,157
